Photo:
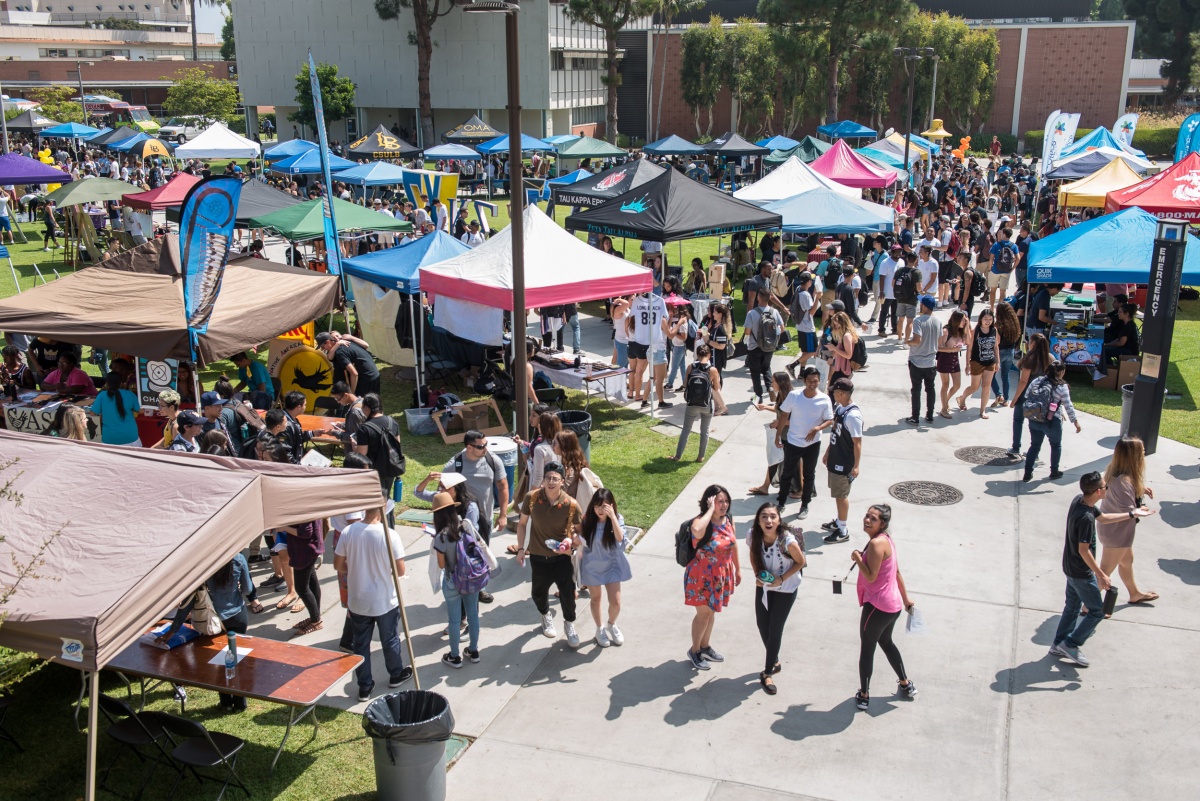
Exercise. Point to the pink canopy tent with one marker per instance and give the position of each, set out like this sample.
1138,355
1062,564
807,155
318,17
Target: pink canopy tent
848,168
169,194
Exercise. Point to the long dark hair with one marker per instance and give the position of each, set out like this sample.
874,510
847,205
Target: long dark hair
1037,356
112,386
447,523
1055,371
979,323
754,541
591,521
224,575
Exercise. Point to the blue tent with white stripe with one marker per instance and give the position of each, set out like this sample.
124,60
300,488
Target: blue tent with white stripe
1114,249
1097,137
399,268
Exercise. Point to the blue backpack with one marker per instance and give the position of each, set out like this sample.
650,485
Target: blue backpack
471,572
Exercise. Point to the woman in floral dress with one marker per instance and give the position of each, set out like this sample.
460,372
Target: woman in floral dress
711,576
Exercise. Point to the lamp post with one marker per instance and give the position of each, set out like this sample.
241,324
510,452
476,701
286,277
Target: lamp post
933,92
911,56
79,65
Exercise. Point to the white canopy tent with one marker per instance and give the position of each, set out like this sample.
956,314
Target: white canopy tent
789,179
218,142
474,290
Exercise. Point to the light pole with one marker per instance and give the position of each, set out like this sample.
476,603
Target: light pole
911,56
933,92
79,65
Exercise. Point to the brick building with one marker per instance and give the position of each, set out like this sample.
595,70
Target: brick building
139,83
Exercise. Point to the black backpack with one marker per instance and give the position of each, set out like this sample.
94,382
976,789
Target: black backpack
1004,260
390,461
858,359
684,551
697,390
768,333
905,286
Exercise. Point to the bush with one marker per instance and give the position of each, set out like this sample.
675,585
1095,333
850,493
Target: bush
237,124
982,142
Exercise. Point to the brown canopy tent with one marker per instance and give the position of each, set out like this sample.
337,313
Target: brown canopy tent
110,572
133,303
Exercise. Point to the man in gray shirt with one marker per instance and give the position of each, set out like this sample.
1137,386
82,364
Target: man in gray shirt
482,470
922,358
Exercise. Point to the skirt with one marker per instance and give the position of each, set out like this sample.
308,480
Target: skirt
600,565
948,363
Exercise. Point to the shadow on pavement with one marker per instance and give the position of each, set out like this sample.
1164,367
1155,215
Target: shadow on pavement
800,722
711,700
641,685
1179,515
1184,472
1043,675
1188,570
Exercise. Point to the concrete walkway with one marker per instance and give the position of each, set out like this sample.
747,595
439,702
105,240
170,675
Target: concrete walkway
996,718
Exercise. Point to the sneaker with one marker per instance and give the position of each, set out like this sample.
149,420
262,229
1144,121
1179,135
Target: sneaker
913,421
602,638
645,405
861,701
712,656
472,655
910,689
1027,477
615,635
1056,649
1055,475
929,417
451,660
1073,655
404,676
791,370
697,660
572,635
273,581
830,526
364,695
548,629
486,597
835,537
803,513
348,649
45,250
1013,453
665,404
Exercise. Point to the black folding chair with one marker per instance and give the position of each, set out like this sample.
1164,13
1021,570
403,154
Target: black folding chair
202,749
5,703
140,732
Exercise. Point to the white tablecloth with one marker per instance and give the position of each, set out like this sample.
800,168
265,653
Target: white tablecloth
612,386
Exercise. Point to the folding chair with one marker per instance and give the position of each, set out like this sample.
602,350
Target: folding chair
5,703
135,731
202,749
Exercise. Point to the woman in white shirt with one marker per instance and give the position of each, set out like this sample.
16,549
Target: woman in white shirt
777,558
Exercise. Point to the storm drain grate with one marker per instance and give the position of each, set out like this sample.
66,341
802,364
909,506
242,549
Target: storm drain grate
925,493
985,455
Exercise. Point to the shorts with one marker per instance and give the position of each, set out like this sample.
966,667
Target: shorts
945,271
979,368
622,349
906,310
807,340
839,485
998,281
947,363
5,224
280,542
637,350
659,356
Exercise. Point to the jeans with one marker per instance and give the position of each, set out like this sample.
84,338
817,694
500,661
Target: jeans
1000,377
389,638
557,571
690,413
793,457
1018,421
916,377
876,627
1114,352
758,362
771,620
678,364
573,322
309,589
887,311
1040,430
1072,629
455,603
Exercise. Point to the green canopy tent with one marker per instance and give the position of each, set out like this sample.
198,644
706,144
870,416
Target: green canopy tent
93,190
305,220
585,147
808,151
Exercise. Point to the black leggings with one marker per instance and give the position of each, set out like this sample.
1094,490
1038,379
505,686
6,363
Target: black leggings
309,589
771,620
876,627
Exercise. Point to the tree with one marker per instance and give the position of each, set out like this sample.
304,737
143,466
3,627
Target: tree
701,69
57,103
1107,10
228,49
667,9
196,93
609,16
1164,28
843,22
114,24
875,72
753,74
337,95
425,14
966,72
195,34
801,81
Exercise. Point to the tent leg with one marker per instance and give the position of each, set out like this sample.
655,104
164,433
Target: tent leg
16,218
16,281
412,657
89,792
412,322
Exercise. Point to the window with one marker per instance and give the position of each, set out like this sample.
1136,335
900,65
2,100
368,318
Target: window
587,63
557,60
52,52
587,115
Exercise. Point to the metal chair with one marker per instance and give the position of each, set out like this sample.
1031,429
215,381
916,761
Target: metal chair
5,702
136,731
202,749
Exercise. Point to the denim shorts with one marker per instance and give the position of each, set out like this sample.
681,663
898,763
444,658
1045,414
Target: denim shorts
659,356
622,349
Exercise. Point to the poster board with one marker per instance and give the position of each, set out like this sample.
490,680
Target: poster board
155,376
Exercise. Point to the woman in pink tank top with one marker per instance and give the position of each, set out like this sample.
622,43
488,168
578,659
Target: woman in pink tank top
882,596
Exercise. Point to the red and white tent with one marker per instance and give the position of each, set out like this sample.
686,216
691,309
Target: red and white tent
1173,194
172,193
850,169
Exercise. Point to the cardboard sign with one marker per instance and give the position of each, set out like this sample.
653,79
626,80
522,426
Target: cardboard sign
35,420
155,376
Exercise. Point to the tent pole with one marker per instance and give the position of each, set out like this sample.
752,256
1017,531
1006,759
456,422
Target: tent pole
89,791
413,309
412,657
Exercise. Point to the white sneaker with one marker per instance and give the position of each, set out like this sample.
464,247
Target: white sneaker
615,635
602,638
572,636
45,250
548,629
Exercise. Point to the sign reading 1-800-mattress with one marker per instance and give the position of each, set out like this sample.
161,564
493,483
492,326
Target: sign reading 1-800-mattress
154,376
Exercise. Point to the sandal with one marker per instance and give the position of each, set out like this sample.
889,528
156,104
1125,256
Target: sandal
512,549
309,626
764,679
962,405
756,491
297,607
287,601
256,607
1149,597
946,414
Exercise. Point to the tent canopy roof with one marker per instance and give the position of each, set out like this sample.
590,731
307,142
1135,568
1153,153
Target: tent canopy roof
453,151
571,177
1084,164
1092,190
91,190
126,144
382,144
218,142
585,147
171,193
375,173
559,268
829,212
31,121
70,130
1115,248
808,150
257,199
399,267
731,144
472,132
292,147
133,303
118,134
306,221
17,169
120,574
1174,193
673,146
670,207
847,167
528,145
790,179
777,142
608,184
561,139
1097,137
846,129
309,163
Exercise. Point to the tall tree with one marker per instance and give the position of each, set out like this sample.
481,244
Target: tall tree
337,95
843,21
801,81
752,75
609,16
228,46
701,69
192,4
56,102
196,93
874,73
425,14
667,10
1165,28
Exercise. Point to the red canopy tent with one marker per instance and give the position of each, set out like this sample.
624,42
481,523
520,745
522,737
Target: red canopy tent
1173,194
169,194
843,165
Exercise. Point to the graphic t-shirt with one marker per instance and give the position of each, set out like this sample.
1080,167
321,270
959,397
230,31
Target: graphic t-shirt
648,313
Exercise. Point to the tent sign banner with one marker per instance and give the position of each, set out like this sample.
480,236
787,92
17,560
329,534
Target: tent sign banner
1189,137
155,376
441,185
206,225
333,253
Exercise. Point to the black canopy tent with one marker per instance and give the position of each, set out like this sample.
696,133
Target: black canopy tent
382,144
472,132
115,136
606,185
31,122
257,199
732,145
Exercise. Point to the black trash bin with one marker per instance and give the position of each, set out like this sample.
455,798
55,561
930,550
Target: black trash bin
581,424
408,733
1126,407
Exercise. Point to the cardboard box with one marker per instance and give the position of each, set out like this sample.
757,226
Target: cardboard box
1106,381
468,416
1128,368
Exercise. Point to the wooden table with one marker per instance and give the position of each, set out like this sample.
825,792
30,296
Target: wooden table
317,422
297,676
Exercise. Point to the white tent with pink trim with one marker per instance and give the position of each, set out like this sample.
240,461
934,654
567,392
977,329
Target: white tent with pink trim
473,290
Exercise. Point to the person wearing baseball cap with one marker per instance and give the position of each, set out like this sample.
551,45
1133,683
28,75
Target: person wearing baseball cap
188,426
550,515
472,237
922,359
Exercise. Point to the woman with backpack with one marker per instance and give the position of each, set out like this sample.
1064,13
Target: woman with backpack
777,559
842,343
1033,364
982,364
603,562
701,383
713,572
956,334
456,544
1046,400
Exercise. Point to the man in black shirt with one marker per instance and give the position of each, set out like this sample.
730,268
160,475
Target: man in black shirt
1039,319
294,435
351,363
1085,579
1124,340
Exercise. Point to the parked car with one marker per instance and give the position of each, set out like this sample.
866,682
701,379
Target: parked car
180,129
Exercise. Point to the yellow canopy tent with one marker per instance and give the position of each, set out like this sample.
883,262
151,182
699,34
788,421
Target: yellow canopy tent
1091,190
898,139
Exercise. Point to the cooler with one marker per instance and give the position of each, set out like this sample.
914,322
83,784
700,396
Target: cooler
507,450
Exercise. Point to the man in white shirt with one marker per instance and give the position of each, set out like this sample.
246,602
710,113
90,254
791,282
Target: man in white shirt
473,238
648,345
886,291
362,556
807,410
929,272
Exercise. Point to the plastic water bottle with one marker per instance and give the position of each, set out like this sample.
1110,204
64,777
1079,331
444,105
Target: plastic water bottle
553,544
231,656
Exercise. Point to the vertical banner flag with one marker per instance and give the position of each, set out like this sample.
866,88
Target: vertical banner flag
206,224
1050,122
1189,137
1124,129
1060,134
333,255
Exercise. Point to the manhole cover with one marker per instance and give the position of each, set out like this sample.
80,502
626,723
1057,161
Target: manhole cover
925,493
985,455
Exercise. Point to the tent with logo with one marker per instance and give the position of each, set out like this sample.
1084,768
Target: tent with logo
673,146
1173,194
1115,248
31,122
847,167
731,145
1092,191
172,193
808,150
825,211
1084,164
605,186
1096,138
672,207
218,142
472,132
292,147
789,179
381,144
846,129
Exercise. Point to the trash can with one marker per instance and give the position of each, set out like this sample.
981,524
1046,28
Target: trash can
408,733
506,449
1126,407
581,424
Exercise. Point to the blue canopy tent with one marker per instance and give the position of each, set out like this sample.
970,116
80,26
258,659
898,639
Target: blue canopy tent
1097,137
673,146
778,142
70,130
562,139
846,129
309,163
528,145
1084,164
884,157
125,145
571,177
456,152
292,147
375,173
98,133
928,144
828,212
1116,248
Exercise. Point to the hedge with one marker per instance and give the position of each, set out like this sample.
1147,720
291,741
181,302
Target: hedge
1153,141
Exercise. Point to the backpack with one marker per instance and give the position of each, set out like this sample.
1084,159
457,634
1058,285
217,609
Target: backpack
204,616
684,551
978,284
953,246
858,359
905,286
471,571
1004,261
1039,400
391,463
768,331
697,390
